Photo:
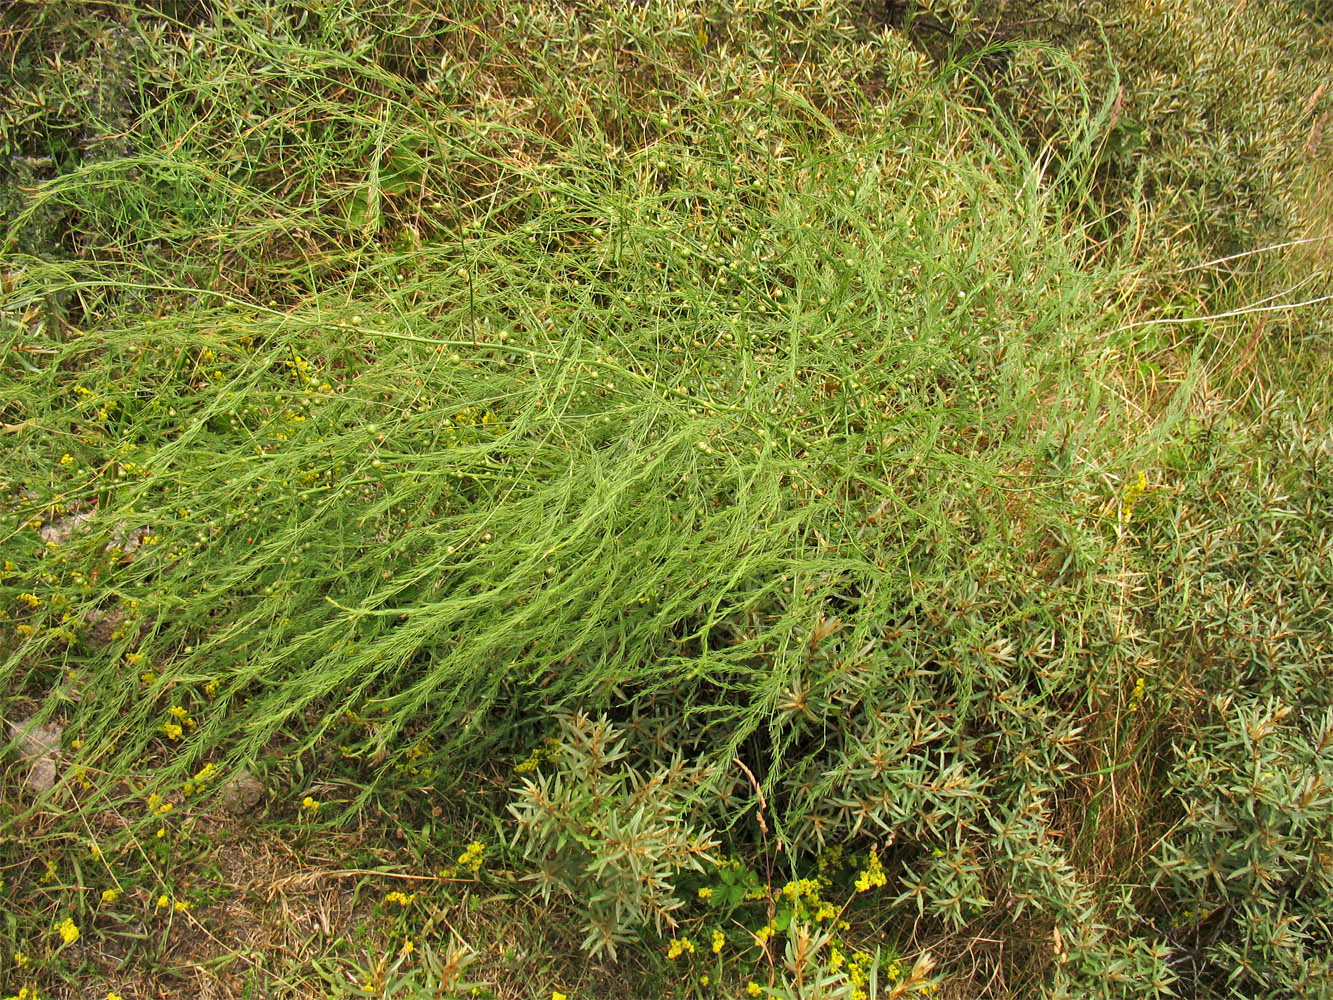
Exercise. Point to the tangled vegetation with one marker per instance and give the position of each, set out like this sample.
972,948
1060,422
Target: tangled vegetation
836,498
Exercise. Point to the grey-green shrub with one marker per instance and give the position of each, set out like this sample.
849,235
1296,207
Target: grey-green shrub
1243,876
1214,117
1249,869
608,838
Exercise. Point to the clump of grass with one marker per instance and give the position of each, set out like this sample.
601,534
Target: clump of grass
633,437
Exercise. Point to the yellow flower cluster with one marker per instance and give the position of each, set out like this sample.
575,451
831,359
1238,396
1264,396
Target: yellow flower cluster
802,887
401,898
1131,495
1136,696
873,875
719,941
69,932
679,946
181,719
856,970
531,763
471,858
200,780
300,367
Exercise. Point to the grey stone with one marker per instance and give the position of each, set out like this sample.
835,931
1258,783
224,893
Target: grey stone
240,793
39,745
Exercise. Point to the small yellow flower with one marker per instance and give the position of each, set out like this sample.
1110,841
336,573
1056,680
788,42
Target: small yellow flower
31,600
679,946
110,895
180,906
401,898
557,995
163,901
1136,697
706,893
408,946
69,932
1131,495
753,988
21,960
173,731
719,941
873,875
161,832
309,804
67,459
114,996
472,855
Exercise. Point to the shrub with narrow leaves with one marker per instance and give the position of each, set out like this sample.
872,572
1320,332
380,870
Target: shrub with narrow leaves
606,837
